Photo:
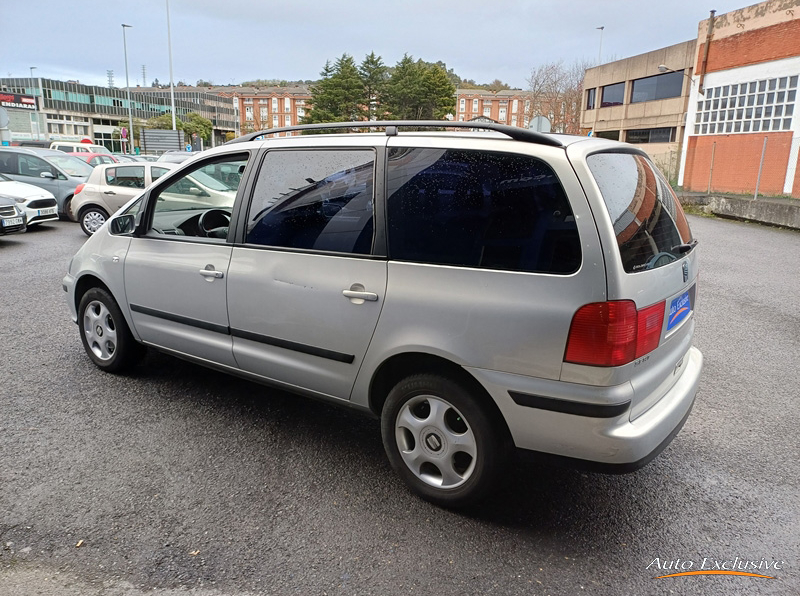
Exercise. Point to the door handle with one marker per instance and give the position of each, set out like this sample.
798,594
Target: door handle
109,192
211,273
359,295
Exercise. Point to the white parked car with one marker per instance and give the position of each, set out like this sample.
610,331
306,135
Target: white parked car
38,204
109,187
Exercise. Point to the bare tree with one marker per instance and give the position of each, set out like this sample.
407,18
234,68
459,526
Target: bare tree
556,91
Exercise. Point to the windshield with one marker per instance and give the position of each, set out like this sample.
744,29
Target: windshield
71,165
649,223
99,149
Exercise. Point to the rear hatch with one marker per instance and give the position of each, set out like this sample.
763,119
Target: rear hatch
651,261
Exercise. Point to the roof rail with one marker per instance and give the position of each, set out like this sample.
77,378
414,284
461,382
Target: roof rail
391,126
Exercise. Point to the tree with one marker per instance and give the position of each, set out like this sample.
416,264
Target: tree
164,122
419,91
374,76
556,92
496,85
339,96
194,123
204,83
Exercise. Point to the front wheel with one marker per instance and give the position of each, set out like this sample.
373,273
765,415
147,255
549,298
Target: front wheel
105,334
445,444
92,218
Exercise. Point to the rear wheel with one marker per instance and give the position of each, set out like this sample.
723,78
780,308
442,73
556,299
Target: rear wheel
442,440
105,334
91,219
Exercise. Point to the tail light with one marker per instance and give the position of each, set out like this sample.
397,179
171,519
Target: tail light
613,333
79,188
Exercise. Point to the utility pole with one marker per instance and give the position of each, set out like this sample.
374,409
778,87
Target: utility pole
128,85
144,75
171,84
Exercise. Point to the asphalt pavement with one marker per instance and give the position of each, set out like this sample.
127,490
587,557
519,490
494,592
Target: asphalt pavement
174,479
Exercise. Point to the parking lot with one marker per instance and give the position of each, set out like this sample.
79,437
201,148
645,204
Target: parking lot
176,477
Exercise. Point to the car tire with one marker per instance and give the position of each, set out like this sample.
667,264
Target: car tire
445,443
105,334
67,214
91,218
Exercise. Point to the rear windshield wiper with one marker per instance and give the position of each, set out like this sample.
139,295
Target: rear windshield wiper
684,248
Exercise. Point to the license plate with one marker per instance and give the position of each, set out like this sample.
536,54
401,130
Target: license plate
679,309
14,221
49,211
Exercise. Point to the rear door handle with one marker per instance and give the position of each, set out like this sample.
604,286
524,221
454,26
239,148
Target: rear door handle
109,192
211,273
360,295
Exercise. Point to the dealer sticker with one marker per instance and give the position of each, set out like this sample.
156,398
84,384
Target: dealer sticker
679,309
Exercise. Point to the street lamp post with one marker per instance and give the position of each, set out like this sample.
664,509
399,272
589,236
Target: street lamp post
171,84
128,85
36,104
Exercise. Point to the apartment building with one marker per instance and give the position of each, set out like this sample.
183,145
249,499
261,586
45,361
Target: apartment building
260,108
510,106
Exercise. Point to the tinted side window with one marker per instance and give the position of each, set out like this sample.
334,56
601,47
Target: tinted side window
8,163
126,176
479,209
648,219
33,166
320,200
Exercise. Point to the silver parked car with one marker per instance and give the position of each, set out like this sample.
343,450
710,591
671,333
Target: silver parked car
478,292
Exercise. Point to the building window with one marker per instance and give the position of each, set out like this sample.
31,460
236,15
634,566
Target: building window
462,105
487,109
287,104
287,120
502,114
248,113
661,86
475,105
274,104
263,113
590,97
275,120
301,112
739,109
513,120
608,134
514,106
651,135
612,95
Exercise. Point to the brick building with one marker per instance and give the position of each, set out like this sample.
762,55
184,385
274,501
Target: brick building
260,108
510,106
744,106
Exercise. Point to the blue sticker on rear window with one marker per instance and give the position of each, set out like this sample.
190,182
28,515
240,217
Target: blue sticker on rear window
679,309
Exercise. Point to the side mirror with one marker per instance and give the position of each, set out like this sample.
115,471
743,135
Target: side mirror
124,224
49,175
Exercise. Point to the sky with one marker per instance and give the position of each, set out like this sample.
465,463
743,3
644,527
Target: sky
230,41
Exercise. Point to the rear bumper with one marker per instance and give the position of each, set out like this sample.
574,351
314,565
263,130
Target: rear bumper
590,426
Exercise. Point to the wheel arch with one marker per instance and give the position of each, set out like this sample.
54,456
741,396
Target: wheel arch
86,283
399,366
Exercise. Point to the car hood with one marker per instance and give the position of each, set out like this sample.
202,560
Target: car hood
21,190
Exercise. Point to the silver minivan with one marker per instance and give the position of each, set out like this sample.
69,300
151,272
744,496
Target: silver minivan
49,169
479,292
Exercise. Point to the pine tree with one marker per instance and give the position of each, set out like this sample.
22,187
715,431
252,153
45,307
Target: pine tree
375,76
419,91
339,96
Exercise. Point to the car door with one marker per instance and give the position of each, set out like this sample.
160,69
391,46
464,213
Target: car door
31,169
307,285
121,184
176,276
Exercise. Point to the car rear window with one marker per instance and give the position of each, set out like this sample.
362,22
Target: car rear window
649,223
